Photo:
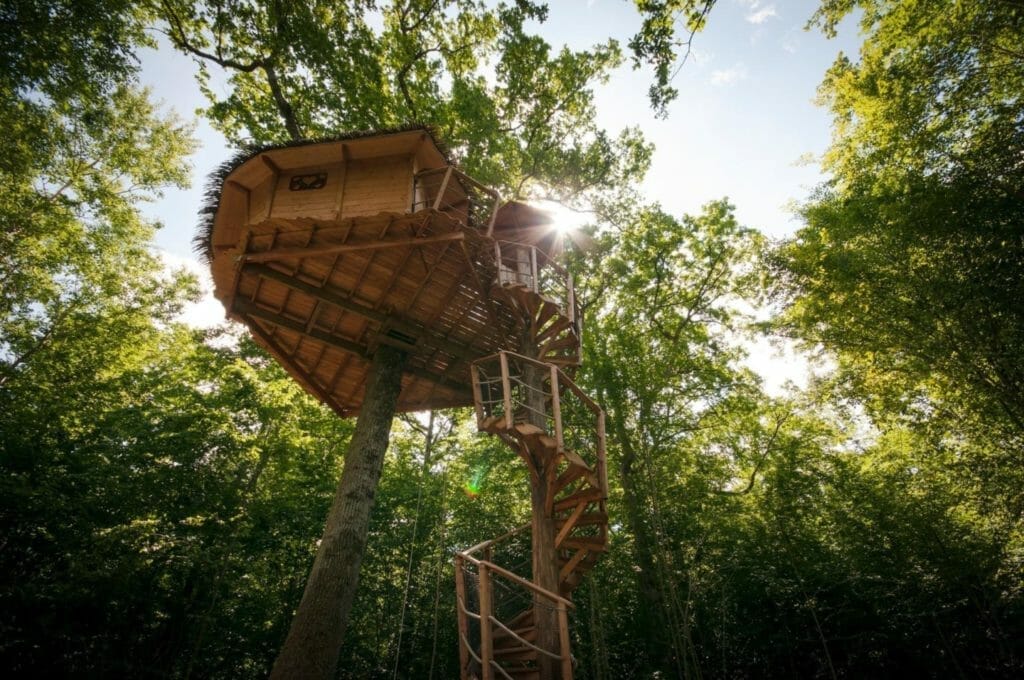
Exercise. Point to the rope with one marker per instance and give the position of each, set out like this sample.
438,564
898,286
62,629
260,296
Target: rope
429,444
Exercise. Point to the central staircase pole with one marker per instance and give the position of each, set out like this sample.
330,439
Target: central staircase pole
545,557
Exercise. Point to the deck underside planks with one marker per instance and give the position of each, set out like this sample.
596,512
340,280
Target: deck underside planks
322,306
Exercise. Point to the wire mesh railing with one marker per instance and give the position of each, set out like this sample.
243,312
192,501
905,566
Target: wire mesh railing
521,264
453,192
509,389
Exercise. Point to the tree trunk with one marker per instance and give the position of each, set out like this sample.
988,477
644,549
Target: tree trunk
314,640
653,626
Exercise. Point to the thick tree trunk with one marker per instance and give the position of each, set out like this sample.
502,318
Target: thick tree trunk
654,625
318,629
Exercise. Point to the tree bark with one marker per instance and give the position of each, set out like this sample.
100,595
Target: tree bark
314,640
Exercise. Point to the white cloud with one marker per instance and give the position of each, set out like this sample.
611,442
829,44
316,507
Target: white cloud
208,311
728,76
759,15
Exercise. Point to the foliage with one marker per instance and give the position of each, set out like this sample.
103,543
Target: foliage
162,489
516,112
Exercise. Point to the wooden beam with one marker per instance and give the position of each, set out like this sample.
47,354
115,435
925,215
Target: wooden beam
246,308
299,253
337,299
277,350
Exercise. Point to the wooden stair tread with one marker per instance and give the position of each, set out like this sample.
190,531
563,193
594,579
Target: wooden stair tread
527,429
589,495
594,543
521,652
586,519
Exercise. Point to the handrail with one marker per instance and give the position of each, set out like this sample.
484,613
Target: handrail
503,672
489,543
469,648
468,184
465,610
520,580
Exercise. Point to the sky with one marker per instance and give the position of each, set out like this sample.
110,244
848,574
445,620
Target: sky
745,126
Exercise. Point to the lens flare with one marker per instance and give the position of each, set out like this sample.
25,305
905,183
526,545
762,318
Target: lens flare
473,487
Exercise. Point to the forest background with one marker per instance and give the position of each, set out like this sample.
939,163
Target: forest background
163,487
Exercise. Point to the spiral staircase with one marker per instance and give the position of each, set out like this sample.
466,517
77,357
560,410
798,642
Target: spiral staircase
509,625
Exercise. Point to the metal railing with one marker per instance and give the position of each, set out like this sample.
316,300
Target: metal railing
457,194
509,389
521,264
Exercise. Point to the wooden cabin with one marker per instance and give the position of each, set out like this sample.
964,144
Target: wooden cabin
327,249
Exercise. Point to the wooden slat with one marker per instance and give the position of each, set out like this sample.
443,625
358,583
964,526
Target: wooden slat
374,244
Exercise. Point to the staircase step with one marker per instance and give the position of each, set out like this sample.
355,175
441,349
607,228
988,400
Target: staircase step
547,310
568,342
590,495
586,519
567,360
568,477
527,429
520,653
592,543
492,423
553,329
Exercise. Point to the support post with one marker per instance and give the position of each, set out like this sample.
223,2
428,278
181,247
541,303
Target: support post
444,188
460,602
563,636
556,408
506,389
486,611
534,272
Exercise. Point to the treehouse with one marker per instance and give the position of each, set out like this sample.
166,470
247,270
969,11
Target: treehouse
328,250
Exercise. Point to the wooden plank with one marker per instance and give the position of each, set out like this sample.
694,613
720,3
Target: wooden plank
377,244
340,200
338,299
277,350
244,307
249,309
569,566
563,639
460,594
556,409
569,525
486,610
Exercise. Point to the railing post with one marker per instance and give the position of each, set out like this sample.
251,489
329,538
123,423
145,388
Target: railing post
494,213
563,638
556,408
460,602
506,388
534,272
486,647
444,188
478,399
497,258
571,301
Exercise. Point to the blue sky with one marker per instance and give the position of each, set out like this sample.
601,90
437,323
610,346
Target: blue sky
744,119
